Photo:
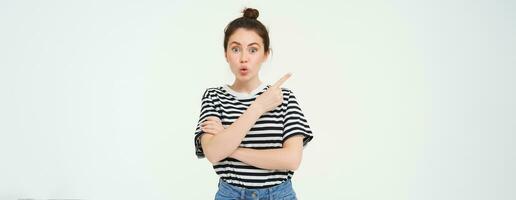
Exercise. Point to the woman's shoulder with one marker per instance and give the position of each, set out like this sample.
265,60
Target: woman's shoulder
286,91
213,88
213,91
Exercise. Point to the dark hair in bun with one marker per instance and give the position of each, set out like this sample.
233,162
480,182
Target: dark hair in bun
248,21
251,13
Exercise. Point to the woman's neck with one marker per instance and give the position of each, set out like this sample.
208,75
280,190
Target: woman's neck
247,86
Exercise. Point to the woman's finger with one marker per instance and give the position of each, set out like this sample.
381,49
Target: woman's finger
282,80
211,127
206,123
205,129
212,118
211,131
212,123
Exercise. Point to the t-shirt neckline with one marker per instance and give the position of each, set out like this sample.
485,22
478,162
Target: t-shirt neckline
243,95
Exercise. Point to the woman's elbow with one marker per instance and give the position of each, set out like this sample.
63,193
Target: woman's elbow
294,163
213,158
209,153
294,152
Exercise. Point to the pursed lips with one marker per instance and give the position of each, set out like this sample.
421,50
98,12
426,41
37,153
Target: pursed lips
244,70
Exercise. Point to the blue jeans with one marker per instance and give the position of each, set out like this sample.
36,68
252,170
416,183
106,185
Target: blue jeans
283,191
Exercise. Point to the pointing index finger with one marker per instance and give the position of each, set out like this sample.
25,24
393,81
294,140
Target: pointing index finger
282,80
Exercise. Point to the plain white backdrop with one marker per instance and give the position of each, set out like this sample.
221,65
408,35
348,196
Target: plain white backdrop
406,99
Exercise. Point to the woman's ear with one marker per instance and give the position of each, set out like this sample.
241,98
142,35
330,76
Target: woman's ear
268,53
226,56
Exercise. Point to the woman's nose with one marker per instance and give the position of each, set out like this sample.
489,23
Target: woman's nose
243,57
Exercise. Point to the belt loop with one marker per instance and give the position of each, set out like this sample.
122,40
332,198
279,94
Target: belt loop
242,193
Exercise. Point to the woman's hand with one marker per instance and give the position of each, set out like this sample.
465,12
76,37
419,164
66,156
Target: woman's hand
272,97
212,125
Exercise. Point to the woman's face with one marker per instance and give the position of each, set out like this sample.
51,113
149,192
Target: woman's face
245,54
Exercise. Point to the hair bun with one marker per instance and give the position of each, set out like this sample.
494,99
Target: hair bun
251,13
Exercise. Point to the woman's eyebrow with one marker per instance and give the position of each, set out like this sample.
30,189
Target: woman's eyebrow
234,43
254,43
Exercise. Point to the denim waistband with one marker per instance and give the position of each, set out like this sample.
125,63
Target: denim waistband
273,192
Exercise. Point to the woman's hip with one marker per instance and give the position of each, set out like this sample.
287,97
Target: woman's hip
282,191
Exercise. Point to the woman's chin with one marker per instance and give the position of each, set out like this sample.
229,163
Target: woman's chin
245,77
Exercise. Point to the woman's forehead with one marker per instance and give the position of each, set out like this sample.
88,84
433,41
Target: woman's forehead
245,37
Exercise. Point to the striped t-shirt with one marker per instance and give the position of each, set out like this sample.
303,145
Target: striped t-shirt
269,132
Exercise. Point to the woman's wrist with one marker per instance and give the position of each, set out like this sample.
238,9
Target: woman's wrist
256,107
235,153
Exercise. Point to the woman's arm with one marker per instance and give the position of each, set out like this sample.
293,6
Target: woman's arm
219,146
288,157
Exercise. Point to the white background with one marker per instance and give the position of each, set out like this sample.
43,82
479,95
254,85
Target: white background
406,99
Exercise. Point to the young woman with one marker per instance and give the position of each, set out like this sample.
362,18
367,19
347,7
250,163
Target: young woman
252,133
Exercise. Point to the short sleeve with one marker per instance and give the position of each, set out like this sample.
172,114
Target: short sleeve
208,108
294,121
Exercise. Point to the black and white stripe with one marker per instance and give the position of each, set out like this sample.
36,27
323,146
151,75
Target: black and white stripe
269,132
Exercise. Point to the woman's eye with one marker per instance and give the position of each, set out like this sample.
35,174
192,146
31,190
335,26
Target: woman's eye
253,50
235,49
